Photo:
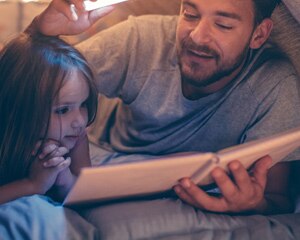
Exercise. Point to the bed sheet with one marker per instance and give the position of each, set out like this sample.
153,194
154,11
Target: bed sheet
37,218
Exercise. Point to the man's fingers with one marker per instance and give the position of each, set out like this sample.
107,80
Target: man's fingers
79,5
260,170
225,184
240,175
184,196
67,8
72,9
200,198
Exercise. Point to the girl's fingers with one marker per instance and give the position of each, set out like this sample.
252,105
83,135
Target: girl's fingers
48,146
53,162
56,161
52,150
59,152
47,149
65,164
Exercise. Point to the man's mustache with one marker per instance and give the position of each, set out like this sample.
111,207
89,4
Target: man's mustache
190,45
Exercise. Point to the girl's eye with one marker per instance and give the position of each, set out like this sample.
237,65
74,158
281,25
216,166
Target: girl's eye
84,104
62,110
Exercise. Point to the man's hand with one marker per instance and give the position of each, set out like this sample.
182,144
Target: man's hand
243,193
63,17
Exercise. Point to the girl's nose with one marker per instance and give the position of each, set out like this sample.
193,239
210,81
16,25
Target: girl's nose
80,119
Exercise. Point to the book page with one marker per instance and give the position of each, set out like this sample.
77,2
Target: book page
277,147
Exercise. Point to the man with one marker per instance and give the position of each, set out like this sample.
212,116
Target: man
200,82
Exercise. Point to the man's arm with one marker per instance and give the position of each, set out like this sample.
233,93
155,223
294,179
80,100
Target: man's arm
277,194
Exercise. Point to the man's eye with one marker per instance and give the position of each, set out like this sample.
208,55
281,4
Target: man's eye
189,16
61,110
222,26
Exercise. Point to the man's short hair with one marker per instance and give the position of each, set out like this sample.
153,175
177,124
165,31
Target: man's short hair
264,9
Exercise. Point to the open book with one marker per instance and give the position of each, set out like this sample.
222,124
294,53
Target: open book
159,175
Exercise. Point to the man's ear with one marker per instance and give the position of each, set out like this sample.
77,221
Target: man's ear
261,33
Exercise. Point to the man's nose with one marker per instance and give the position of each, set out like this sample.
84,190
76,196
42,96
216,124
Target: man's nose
201,34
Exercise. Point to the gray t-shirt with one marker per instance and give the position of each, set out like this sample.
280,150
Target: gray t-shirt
136,62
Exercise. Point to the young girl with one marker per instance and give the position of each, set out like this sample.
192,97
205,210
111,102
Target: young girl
47,98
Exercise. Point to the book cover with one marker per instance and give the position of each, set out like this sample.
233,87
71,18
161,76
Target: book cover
159,175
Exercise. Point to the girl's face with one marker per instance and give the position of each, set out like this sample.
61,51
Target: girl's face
69,114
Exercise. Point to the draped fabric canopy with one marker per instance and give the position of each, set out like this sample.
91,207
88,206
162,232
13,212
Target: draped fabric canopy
294,8
286,32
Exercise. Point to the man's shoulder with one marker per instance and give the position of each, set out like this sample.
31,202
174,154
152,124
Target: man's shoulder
269,73
269,67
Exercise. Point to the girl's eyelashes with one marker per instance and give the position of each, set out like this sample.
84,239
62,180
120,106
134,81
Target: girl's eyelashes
61,110
67,107
84,104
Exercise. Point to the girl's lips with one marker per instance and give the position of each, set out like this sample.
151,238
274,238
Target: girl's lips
73,138
76,134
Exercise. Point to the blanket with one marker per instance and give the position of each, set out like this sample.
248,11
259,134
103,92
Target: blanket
37,217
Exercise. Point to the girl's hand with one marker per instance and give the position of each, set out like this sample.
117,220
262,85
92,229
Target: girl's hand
43,178
49,152
243,193
52,156
65,179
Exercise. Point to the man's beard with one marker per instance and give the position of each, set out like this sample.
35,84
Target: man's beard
200,75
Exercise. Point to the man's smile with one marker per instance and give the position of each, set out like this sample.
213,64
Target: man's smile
200,54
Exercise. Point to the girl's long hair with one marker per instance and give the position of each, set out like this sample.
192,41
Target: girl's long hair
32,71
